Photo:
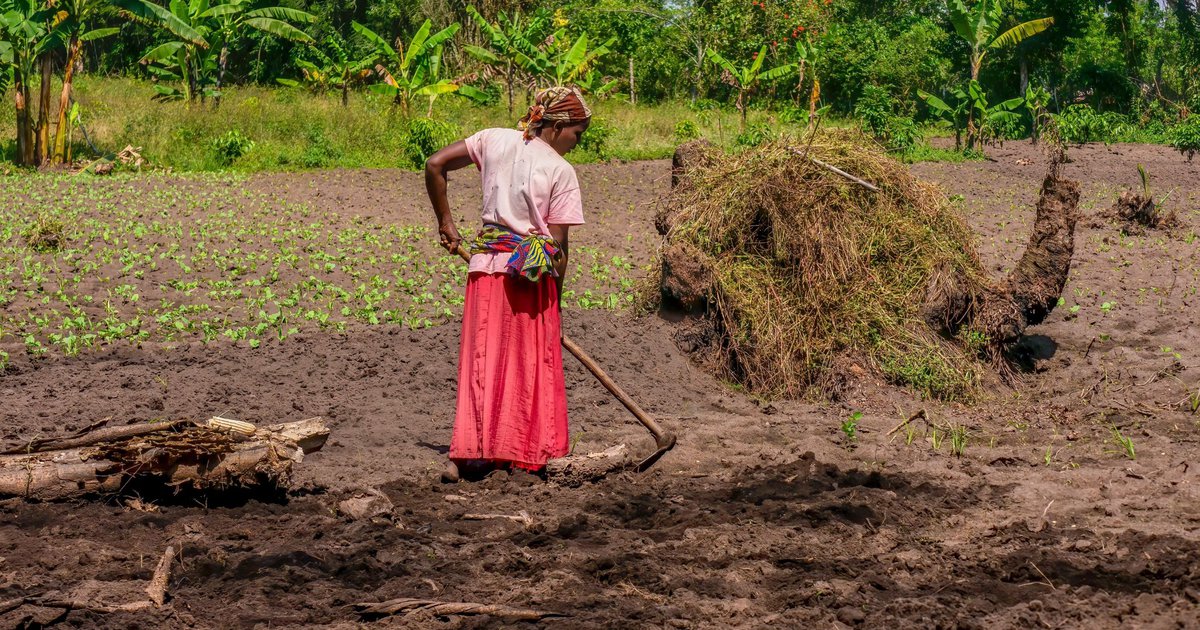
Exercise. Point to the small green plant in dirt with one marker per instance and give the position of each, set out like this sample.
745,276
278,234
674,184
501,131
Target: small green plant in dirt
230,146
1124,442
936,436
4,361
850,427
958,439
1048,456
1194,401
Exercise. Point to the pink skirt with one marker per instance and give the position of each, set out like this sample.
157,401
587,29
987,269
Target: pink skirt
512,397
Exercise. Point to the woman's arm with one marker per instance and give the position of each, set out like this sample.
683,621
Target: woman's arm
437,167
559,233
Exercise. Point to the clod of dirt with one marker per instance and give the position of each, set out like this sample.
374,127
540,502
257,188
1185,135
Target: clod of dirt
1138,211
366,505
798,253
576,470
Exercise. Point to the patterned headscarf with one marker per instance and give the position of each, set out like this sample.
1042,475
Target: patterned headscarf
555,104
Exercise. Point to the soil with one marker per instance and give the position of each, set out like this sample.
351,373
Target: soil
765,514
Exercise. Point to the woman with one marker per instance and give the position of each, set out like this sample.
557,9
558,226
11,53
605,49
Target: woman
512,407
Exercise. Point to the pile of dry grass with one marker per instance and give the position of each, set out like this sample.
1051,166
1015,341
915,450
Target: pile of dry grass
800,273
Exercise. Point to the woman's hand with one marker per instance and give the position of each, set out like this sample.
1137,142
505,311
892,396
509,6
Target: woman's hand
437,167
449,236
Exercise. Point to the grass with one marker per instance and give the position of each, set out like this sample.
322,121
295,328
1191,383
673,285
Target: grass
292,129
86,262
1124,443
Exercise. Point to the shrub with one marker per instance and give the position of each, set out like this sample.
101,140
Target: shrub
595,139
686,130
1185,137
425,137
230,146
1081,123
320,151
877,110
755,134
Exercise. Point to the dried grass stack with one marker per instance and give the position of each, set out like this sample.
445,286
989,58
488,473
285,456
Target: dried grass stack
798,273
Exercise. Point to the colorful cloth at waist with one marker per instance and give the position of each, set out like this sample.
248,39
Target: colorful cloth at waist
532,255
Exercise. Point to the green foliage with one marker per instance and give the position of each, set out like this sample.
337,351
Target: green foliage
756,134
879,113
425,137
686,130
1081,123
595,140
1185,137
230,146
850,427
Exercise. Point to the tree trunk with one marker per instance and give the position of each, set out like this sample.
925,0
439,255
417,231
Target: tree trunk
509,81
25,144
346,90
741,105
1024,70
221,61
42,152
197,457
632,90
61,132
813,98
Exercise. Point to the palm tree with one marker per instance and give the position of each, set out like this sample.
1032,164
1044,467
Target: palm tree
978,25
747,77
336,69
230,21
515,43
27,37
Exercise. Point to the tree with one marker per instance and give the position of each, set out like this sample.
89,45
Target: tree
407,73
198,28
28,35
745,79
76,27
515,42
231,20
978,25
337,69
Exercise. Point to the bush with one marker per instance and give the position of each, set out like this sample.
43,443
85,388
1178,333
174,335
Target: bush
877,110
755,134
686,130
1081,123
1185,137
230,146
595,139
320,151
426,136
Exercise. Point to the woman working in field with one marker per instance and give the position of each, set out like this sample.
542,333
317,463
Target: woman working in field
512,405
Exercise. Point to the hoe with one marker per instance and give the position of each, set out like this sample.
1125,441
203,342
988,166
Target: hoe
664,441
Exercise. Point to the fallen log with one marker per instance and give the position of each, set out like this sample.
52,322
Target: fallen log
409,606
195,456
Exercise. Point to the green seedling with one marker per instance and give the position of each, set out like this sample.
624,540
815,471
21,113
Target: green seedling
936,437
1124,442
1049,455
850,427
958,439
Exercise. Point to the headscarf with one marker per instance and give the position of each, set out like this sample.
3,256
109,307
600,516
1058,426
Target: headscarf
556,104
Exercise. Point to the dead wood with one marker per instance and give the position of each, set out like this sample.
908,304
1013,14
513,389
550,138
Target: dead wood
575,470
89,437
409,606
192,456
157,588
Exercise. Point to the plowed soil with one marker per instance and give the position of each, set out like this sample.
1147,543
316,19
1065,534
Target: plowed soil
766,514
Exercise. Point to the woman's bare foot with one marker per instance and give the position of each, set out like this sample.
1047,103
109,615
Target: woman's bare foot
450,475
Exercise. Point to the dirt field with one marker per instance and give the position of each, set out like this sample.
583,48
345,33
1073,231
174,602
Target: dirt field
764,515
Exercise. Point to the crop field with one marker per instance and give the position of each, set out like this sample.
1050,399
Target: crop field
1065,498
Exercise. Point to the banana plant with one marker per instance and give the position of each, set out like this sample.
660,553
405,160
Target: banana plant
808,55
571,64
978,25
512,39
1036,100
76,26
747,77
406,72
231,20
335,70
955,114
29,33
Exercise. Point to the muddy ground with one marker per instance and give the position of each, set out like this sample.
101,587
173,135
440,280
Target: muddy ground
765,514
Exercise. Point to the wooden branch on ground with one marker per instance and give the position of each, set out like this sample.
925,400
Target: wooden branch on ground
919,415
199,455
157,588
409,606
861,182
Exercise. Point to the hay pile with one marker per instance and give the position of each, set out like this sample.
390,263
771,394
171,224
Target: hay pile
798,275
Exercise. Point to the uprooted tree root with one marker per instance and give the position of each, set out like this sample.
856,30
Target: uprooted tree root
796,273
1138,211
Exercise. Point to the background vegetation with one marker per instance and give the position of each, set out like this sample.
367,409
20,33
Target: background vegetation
250,84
